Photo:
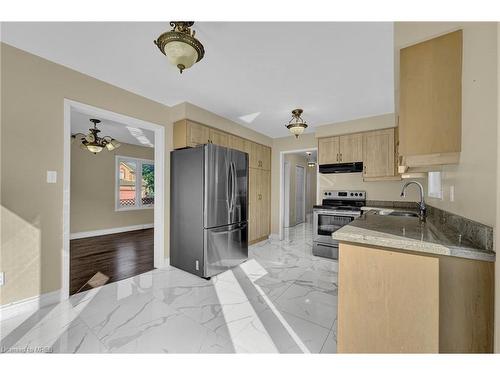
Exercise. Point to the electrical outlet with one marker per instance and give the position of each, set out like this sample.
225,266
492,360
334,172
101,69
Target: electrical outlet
452,193
2,278
51,177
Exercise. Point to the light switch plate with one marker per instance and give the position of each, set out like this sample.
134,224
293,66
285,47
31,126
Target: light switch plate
2,278
51,177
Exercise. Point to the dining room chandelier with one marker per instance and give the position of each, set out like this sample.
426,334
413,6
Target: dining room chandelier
296,125
92,142
180,45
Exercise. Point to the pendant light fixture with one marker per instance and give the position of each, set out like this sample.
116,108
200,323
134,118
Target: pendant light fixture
296,125
310,163
180,46
93,143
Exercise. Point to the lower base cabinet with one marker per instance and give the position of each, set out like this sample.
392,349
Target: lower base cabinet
259,204
400,302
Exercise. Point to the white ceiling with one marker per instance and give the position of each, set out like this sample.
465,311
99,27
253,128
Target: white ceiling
122,132
335,71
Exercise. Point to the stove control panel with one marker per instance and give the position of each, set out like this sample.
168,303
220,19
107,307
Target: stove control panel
344,194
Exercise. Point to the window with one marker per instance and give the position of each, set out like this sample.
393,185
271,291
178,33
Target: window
135,183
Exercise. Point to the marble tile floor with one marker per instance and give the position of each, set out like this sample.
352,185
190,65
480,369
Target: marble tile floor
282,300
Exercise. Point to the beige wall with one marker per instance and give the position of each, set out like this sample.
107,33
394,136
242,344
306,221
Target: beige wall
32,116
93,190
474,179
376,190
310,175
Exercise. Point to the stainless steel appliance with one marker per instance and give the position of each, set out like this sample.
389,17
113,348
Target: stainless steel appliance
209,209
338,208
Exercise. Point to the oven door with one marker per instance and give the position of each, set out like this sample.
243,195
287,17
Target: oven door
326,222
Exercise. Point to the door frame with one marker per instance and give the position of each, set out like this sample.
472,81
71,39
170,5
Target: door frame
303,194
286,194
281,200
159,159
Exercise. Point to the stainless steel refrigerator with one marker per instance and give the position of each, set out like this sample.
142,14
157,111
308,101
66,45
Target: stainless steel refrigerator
208,209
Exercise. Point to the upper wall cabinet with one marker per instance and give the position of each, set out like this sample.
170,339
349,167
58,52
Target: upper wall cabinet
328,150
351,148
219,138
190,134
430,103
237,143
342,149
379,155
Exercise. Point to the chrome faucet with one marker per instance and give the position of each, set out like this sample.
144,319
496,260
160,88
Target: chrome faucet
421,205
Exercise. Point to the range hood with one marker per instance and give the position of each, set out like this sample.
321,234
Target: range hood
341,168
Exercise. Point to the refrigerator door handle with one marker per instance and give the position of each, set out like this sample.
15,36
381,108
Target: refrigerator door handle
229,193
233,180
235,229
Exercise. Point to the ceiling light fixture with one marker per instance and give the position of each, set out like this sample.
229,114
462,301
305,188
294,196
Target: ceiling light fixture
310,163
296,125
180,46
93,143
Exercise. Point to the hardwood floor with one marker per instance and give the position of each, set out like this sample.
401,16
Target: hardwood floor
117,256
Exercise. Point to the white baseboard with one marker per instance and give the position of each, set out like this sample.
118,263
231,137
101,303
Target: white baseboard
274,237
103,232
30,304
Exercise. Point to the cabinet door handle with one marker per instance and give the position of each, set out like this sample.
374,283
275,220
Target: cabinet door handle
337,157
260,197
341,157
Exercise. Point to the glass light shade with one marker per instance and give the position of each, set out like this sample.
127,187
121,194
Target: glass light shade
180,53
113,144
297,130
94,148
90,137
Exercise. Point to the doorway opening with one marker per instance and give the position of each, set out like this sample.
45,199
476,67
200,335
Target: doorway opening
113,219
298,187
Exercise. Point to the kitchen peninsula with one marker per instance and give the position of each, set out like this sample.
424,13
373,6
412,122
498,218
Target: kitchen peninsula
414,287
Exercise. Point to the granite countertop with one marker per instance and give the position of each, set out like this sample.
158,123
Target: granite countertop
409,234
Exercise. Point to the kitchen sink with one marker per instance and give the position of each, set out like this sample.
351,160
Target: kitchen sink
397,213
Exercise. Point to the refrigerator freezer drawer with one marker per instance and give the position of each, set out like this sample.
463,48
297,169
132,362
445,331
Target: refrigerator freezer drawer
225,247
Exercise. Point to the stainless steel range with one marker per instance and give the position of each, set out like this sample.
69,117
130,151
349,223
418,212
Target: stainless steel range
338,208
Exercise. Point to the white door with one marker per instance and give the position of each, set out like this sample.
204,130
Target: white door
300,194
286,195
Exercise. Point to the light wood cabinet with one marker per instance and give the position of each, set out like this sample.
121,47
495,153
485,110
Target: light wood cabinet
259,203
190,134
341,149
400,318
260,156
435,303
351,148
328,150
219,138
237,143
430,101
379,155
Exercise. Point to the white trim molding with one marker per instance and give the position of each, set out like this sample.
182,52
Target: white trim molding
282,185
30,304
159,159
103,232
